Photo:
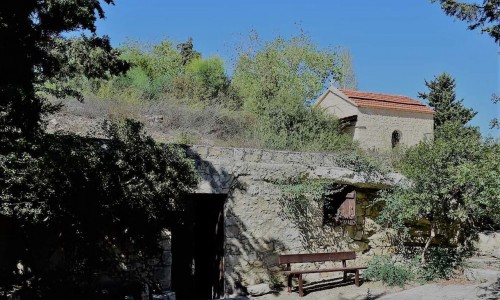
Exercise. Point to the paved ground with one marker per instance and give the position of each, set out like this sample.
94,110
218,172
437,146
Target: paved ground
333,289
374,290
449,292
481,282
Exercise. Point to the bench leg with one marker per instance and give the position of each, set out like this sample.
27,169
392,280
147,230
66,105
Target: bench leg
356,278
345,273
301,288
289,283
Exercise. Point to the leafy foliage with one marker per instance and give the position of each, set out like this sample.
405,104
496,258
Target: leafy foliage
76,209
299,194
495,123
282,72
303,199
154,69
484,16
102,204
442,263
36,52
302,202
161,71
165,74
207,77
277,80
301,128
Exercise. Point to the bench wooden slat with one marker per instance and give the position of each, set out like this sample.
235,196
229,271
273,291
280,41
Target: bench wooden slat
295,272
316,257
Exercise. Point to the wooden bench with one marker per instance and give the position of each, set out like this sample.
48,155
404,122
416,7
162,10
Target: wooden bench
318,257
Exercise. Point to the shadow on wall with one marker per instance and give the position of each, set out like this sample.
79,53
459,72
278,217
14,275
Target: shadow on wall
319,234
247,259
245,253
307,216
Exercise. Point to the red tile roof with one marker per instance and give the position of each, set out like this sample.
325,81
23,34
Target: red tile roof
365,99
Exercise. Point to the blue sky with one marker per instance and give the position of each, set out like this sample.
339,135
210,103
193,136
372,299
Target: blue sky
395,44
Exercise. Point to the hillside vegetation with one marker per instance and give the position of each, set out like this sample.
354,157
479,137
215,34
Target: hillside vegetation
183,97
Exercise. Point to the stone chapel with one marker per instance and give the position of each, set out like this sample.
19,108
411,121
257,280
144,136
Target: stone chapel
379,122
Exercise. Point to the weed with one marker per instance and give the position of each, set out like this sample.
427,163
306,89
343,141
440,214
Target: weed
383,268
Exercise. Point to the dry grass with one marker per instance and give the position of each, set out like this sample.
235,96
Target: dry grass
168,120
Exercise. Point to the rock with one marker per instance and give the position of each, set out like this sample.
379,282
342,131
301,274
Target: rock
484,262
371,227
358,236
488,242
359,246
270,259
232,231
380,239
259,289
496,253
482,275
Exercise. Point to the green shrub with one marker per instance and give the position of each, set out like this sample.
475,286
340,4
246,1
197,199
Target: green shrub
300,129
207,77
441,264
275,282
187,138
383,268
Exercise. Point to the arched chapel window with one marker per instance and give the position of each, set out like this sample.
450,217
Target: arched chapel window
396,137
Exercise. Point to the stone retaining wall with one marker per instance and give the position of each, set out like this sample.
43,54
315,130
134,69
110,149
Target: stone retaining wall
256,228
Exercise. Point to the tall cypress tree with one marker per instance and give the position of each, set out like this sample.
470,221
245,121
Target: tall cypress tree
441,97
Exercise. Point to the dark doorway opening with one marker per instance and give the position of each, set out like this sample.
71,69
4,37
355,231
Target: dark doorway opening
198,249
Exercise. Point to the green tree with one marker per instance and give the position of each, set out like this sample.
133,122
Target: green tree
347,76
153,69
207,76
187,52
35,52
452,184
278,80
484,16
441,97
282,72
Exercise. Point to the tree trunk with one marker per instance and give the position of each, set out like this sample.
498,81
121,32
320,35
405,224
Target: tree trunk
427,244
